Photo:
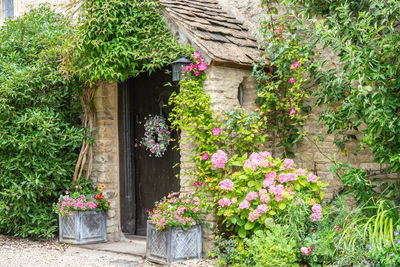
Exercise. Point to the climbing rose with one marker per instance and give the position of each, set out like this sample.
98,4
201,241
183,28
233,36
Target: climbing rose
219,159
251,196
224,202
292,80
311,177
288,163
226,185
197,55
216,131
292,112
244,205
205,156
317,208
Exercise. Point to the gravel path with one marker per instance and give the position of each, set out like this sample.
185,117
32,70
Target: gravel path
16,252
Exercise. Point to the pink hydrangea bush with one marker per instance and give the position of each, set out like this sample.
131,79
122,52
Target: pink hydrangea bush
179,209
262,187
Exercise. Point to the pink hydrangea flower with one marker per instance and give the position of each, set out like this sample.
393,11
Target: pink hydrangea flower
262,208
219,159
278,198
282,178
269,183
224,202
292,80
279,190
264,198
291,176
216,131
300,172
317,208
251,196
234,200
257,160
311,177
226,185
288,163
244,204
204,156
294,65
254,215
270,175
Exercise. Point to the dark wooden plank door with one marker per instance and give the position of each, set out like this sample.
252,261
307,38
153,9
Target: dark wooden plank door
148,178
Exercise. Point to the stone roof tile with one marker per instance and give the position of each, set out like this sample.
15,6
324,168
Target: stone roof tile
218,33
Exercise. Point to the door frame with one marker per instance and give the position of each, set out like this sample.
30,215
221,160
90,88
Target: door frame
126,156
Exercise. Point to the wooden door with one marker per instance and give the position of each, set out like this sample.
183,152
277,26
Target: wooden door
144,179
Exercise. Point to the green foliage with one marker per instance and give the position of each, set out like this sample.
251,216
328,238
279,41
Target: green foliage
270,248
39,123
281,75
121,38
362,91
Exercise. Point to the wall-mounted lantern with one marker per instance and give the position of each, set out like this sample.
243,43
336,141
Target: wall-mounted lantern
177,68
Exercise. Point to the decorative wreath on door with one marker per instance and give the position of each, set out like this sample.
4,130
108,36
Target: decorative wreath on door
156,136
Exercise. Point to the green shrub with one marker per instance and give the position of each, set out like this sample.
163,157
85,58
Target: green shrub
40,129
270,248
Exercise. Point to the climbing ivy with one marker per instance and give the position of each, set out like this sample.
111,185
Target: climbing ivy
118,39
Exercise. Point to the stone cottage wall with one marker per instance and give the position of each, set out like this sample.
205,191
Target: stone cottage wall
106,156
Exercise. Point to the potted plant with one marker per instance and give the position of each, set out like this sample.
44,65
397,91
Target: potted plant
174,230
82,217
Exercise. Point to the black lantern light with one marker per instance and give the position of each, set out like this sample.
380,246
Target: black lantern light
177,68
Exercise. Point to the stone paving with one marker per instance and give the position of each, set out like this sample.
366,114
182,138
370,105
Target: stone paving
16,252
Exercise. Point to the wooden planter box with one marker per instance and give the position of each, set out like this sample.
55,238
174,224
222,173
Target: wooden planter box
173,244
83,227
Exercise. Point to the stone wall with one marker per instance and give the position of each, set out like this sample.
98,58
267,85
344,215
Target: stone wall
106,156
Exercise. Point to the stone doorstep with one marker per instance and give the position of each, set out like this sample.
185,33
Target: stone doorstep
136,247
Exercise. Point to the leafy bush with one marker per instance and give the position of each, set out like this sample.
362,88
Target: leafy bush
39,123
270,248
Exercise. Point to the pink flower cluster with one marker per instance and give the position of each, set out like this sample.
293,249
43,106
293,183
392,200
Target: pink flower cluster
219,159
176,208
198,67
224,202
257,160
226,185
264,197
312,177
68,203
292,112
317,213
